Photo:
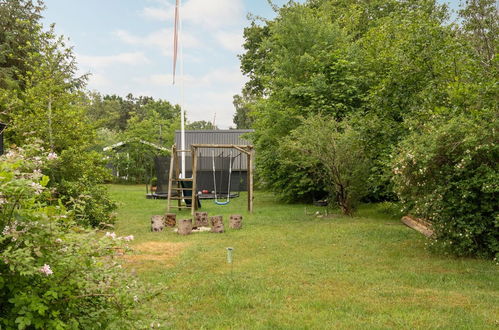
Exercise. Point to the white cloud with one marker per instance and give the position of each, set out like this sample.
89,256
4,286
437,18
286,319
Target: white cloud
232,41
214,79
209,14
205,94
93,62
97,81
162,39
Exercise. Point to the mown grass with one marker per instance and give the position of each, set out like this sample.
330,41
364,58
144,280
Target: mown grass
297,271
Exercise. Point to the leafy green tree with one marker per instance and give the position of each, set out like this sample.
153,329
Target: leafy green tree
20,32
201,125
336,153
242,117
481,27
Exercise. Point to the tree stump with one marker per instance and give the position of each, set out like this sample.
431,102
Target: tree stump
201,219
236,221
171,219
217,224
184,226
157,223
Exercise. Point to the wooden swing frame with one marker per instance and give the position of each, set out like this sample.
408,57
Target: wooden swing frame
174,175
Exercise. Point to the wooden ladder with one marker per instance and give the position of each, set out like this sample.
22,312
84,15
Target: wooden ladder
175,183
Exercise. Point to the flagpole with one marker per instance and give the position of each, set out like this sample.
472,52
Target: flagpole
182,113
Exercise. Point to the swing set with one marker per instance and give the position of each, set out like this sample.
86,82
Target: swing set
186,187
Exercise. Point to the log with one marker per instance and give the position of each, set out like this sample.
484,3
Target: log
201,219
418,224
171,219
184,226
217,224
157,223
236,221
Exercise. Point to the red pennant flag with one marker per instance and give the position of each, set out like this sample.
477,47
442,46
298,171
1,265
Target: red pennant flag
175,38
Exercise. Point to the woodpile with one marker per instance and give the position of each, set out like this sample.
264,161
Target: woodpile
157,223
184,226
236,221
217,224
201,219
171,219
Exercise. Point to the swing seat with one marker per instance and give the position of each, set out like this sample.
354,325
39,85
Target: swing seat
222,203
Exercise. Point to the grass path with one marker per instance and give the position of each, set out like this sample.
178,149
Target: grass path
296,271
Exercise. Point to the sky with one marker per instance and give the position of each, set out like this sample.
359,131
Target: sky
127,47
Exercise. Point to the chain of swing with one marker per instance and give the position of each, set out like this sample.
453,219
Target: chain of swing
231,163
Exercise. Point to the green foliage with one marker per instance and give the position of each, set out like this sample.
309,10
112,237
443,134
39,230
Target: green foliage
19,33
132,120
201,125
53,274
448,174
333,152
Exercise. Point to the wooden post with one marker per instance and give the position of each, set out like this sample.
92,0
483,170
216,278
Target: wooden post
170,178
194,200
250,180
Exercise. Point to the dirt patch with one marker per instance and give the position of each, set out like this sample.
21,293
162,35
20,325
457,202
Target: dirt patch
165,253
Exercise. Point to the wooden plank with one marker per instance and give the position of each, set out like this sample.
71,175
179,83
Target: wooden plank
417,225
194,203
183,180
170,182
250,183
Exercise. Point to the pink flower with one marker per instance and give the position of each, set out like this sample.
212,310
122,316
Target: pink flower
112,235
46,270
128,238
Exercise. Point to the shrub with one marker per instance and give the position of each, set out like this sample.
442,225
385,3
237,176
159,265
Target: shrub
448,174
53,274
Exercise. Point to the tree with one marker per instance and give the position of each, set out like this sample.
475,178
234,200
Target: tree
201,125
481,27
242,117
339,160
20,32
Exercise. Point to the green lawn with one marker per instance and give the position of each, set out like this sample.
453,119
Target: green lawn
297,271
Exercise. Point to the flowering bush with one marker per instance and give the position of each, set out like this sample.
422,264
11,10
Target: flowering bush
54,274
77,176
449,175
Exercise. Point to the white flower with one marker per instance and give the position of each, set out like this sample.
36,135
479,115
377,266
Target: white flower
52,156
46,270
58,240
112,235
128,238
38,187
135,298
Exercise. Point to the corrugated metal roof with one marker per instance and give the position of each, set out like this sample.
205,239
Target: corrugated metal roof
216,137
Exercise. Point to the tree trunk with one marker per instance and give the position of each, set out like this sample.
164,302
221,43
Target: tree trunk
201,219
236,221
157,223
170,219
184,226
217,224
